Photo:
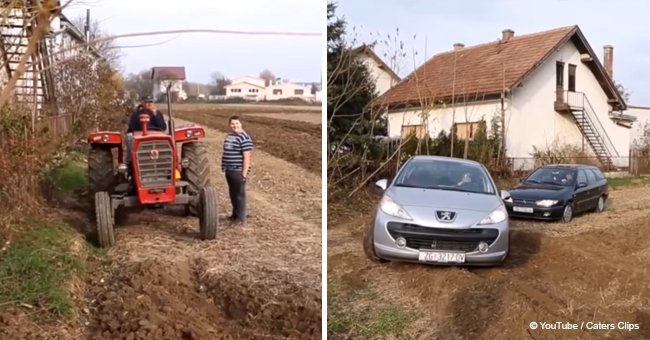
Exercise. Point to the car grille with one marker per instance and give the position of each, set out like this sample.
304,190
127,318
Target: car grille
418,237
155,172
529,202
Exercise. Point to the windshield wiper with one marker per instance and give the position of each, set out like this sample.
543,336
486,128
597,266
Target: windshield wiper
410,186
532,181
549,182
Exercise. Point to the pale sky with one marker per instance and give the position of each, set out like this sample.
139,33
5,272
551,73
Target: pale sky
294,58
624,24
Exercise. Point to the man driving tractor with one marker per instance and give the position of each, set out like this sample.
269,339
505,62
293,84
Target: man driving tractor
156,122
156,118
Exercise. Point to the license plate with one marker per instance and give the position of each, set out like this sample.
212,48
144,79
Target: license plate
523,209
431,256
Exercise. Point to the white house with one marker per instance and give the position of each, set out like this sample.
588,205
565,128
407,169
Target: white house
546,88
251,88
288,90
642,115
383,76
58,44
176,75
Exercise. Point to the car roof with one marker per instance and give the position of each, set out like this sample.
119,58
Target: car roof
570,166
445,159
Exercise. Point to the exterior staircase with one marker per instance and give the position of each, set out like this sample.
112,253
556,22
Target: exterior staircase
590,126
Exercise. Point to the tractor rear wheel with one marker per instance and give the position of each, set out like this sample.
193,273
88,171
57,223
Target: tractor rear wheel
197,174
208,213
105,220
101,176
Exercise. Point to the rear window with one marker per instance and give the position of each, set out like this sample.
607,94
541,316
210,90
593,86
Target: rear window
599,175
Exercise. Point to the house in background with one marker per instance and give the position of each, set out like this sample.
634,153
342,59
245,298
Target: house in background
253,88
288,90
160,84
384,77
37,86
546,88
642,116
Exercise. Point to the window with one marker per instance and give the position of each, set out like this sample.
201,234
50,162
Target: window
591,177
599,175
572,78
235,90
277,92
298,92
559,75
582,177
253,90
467,131
417,129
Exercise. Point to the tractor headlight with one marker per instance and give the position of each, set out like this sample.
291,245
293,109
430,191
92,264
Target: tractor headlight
122,168
105,138
188,133
185,163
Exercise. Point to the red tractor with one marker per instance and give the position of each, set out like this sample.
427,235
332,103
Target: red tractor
166,168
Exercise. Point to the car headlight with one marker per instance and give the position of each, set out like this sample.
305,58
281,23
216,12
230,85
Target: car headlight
546,203
498,215
509,199
388,206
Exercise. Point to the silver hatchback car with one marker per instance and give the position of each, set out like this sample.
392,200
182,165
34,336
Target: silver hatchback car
440,210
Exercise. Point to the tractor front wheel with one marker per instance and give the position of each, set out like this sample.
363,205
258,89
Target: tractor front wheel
101,176
197,174
208,213
105,220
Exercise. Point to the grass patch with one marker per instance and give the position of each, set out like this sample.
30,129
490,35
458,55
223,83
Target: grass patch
355,309
37,268
627,181
69,177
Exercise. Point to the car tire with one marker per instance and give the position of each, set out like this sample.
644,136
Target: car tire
567,213
600,205
369,245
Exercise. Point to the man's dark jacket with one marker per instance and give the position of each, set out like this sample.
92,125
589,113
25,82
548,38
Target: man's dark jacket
155,121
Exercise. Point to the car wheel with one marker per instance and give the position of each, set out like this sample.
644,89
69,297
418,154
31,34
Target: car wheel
369,245
600,206
567,214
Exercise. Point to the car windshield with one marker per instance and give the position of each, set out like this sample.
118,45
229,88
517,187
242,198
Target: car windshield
553,176
445,175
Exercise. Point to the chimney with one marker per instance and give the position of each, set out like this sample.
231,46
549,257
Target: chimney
507,34
458,46
608,51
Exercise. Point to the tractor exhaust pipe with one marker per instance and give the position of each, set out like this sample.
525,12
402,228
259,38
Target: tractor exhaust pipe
144,122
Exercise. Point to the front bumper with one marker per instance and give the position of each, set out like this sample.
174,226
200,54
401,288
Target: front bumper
538,213
454,240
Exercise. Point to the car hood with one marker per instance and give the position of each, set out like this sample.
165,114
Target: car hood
422,204
526,191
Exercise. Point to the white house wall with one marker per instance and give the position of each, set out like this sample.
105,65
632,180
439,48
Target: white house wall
642,115
383,80
245,90
288,91
443,118
534,122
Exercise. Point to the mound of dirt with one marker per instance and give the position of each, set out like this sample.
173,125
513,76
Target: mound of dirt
153,300
275,306
157,300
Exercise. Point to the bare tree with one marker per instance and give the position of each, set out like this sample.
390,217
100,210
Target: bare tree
268,77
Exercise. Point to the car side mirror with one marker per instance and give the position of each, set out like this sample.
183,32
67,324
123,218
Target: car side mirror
505,195
582,185
522,179
382,184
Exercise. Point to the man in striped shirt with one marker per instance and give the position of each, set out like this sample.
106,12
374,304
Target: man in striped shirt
236,163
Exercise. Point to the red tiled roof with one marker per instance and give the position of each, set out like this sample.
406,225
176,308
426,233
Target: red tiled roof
480,70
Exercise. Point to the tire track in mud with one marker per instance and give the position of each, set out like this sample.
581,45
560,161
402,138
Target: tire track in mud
555,272
258,281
